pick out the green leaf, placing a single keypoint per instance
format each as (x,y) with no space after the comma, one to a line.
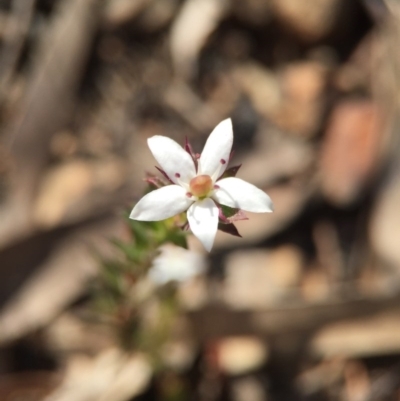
(110,273)
(131,252)
(139,232)
(178,238)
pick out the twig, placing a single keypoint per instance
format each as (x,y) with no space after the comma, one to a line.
(48,103)
(14,37)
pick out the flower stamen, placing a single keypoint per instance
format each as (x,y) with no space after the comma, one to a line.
(201,185)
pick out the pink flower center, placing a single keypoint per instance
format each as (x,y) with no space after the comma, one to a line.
(201,185)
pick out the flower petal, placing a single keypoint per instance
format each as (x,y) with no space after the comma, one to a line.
(234,192)
(173,159)
(215,157)
(161,204)
(175,263)
(203,221)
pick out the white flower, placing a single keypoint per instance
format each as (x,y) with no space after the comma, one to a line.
(175,264)
(198,191)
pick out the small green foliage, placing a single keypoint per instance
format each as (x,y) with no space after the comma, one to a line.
(118,298)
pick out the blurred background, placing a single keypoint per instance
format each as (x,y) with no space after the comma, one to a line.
(306,306)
